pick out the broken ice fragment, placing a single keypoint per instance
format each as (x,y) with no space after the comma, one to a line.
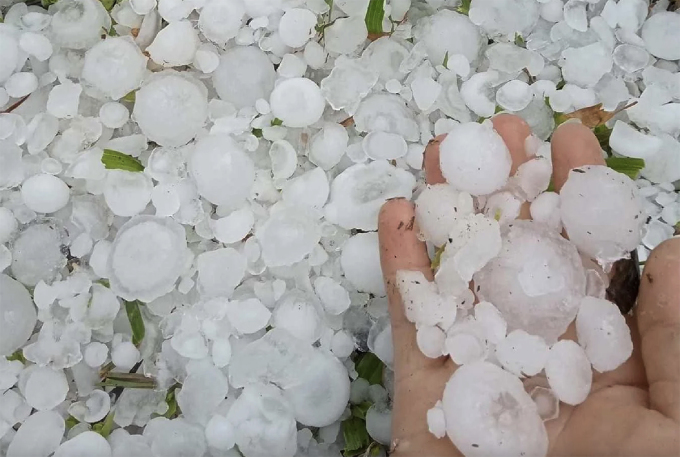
(547,403)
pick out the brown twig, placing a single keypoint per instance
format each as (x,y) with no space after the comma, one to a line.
(16,104)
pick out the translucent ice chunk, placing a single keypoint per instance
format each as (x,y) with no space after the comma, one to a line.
(202,391)
(514,95)
(603,333)
(660,32)
(522,354)
(328,145)
(220,20)
(431,341)
(288,236)
(127,193)
(448,32)
(17,315)
(345,35)
(585,66)
(296,27)
(78,24)
(248,316)
(608,227)
(473,240)
(547,403)
(38,436)
(334,298)
(118,56)
(477,92)
(437,209)
(360,261)
(147,256)
(220,271)
(387,113)
(382,145)
(175,44)
(45,388)
(436,420)
(244,75)
(568,371)
(299,317)
(489,413)
(298,102)
(37,254)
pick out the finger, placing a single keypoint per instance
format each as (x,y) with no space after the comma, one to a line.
(400,249)
(433,174)
(573,145)
(658,317)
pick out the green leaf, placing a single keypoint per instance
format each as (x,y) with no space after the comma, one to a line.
(257,133)
(519,40)
(136,321)
(438,257)
(171,399)
(108,4)
(276,121)
(104,282)
(375,15)
(361,409)
(464,7)
(18,355)
(551,186)
(445,63)
(130,97)
(356,436)
(626,165)
(602,132)
(370,367)
(47,3)
(104,427)
(71,422)
(114,160)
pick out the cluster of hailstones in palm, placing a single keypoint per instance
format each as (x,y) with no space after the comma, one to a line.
(529,284)
(240,220)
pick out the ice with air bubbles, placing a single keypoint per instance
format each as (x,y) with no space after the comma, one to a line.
(257,141)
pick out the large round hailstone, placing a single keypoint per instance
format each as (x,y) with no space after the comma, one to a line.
(504,17)
(288,236)
(297,26)
(78,24)
(220,271)
(223,173)
(386,113)
(127,193)
(175,44)
(488,412)
(220,20)
(171,108)
(114,66)
(603,333)
(358,193)
(360,261)
(38,436)
(661,34)
(86,444)
(44,193)
(475,159)
(9,58)
(438,208)
(245,74)
(297,102)
(147,256)
(45,388)
(17,315)
(384,56)
(536,282)
(568,372)
(37,254)
(322,395)
(448,32)
(601,212)
(299,317)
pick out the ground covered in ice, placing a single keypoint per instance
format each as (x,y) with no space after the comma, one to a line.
(189,193)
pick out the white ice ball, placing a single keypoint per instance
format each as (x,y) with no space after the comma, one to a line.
(44,193)
(297,102)
(568,372)
(115,66)
(297,26)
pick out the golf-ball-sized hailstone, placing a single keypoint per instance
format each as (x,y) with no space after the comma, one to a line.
(171,108)
(536,282)
(601,212)
(44,193)
(147,256)
(475,159)
(298,102)
(488,412)
(17,315)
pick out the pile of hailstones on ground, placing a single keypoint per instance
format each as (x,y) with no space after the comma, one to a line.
(238,219)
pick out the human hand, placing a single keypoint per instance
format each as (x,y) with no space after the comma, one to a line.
(633,410)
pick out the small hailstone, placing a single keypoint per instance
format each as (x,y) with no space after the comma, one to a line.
(466,342)
(522,354)
(45,193)
(536,281)
(248,316)
(547,403)
(171,108)
(45,388)
(219,433)
(297,102)
(477,93)
(8,225)
(38,436)
(473,241)
(533,177)
(345,35)
(96,354)
(448,32)
(244,75)
(488,412)
(575,15)
(546,210)
(334,298)
(202,391)
(315,55)
(220,271)
(309,190)
(430,341)
(514,95)
(299,317)
(360,261)
(284,159)
(661,33)
(436,420)
(127,193)
(86,444)
(379,423)
(382,145)
(142,7)
(115,66)
(503,206)
(342,345)
(113,115)
(36,45)
(328,145)
(234,227)
(292,66)
(603,333)
(475,159)
(631,58)
(224,174)
(63,100)
(358,193)
(585,66)
(297,26)
(147,257)
(489,318)
(21,84)
(206,58)
(425,92)
(17,315)
(288,236)
(437,209)
(601,212)
(220,20)
(125,355)
(568,371)
(175,44)
(393,86)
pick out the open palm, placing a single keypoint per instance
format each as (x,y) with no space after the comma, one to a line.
(633,410)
